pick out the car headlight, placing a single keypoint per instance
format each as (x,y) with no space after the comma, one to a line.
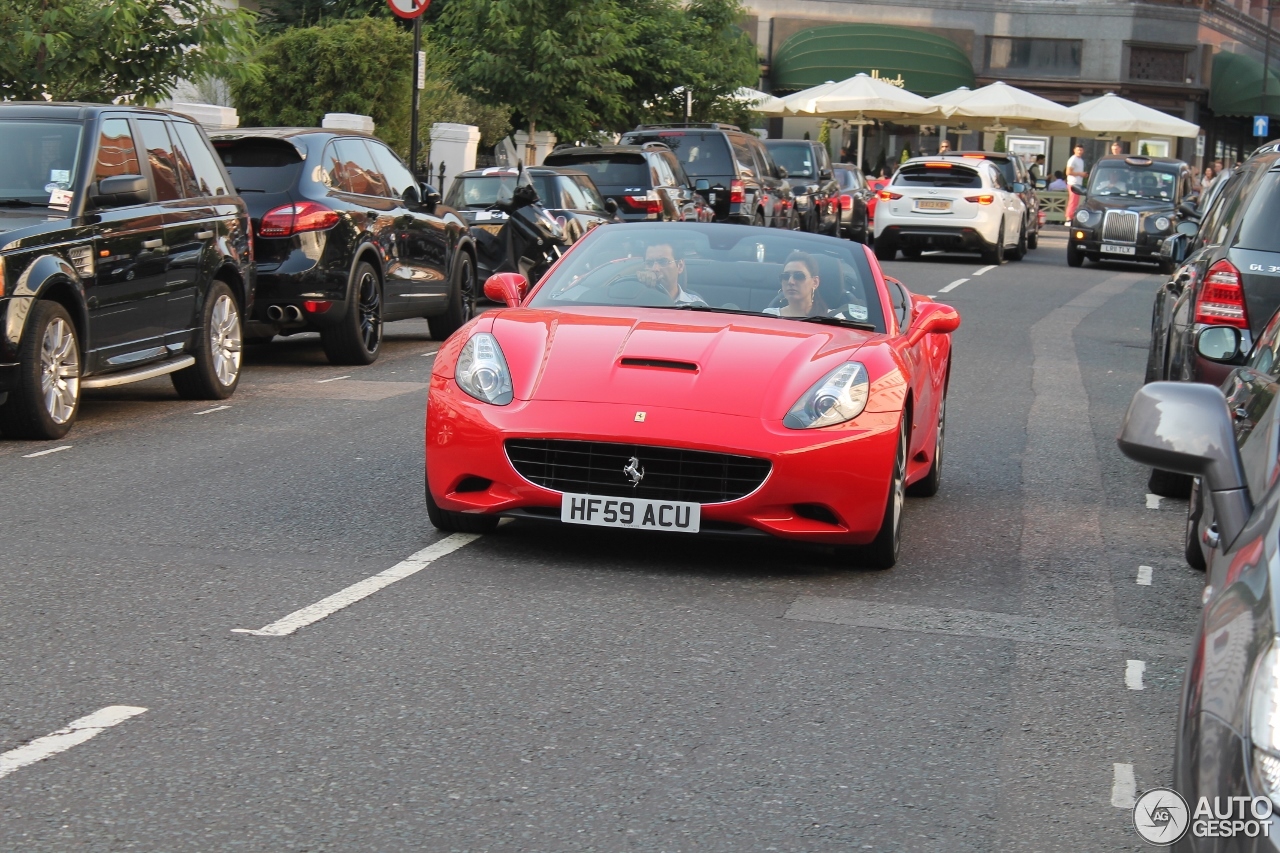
(839,396)
(1083,217)
(1162,224)
(482,371)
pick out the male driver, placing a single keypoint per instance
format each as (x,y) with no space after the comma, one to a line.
(663,269)
(1075,178)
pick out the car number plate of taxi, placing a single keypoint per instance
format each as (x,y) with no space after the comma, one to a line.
(932,204)
(1118,250)
(632,513)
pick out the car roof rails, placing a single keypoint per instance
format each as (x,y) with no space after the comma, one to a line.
(708,125)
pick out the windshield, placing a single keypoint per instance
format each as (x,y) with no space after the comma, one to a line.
(37,158)
(1122,180)
(482,191)
(722,268)
(796,159)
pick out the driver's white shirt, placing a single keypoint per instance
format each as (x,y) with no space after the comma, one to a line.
(687,298)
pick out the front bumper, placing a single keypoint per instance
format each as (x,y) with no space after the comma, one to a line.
(1087,240)
(845,469)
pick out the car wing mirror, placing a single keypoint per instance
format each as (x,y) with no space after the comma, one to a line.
(1185,427)
(121,190)
(1077,189)
(932,318)
(1219,343)
(1187,209)
(782,171)
(1019,187)
(1188,229)
(611,206)
(702,185)
(508,288)
(428,198)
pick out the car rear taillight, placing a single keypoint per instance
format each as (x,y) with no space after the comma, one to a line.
(885,195)
(737,192)
(980,199)
(289,219)
(1221,299)
(846,202)
(649,204)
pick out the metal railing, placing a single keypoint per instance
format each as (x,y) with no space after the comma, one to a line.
(1054,205)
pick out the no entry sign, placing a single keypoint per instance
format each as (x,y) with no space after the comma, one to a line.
(408,8)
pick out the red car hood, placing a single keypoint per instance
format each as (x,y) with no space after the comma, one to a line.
(729,363)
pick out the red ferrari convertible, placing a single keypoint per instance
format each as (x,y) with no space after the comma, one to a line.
(695,378)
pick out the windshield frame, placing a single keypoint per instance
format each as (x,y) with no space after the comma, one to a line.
(1119,166)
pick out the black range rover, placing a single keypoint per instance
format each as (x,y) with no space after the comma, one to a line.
(124,255)
(1131,206)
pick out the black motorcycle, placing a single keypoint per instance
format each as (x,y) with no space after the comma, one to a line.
(530,238)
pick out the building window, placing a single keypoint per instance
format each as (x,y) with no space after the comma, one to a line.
(1034,57)
(1157,64)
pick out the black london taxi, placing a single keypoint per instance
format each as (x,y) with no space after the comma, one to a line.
(1130,208)
(124,255)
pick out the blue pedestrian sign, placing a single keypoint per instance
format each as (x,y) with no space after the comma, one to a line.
(1261,125)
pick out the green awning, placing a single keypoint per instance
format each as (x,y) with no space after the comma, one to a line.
(927,64)
(1236,86)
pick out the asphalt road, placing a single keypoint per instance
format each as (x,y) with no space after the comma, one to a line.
(545,689)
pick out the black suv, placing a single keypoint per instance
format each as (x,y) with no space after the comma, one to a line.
(345,239)
(646,181)
(125,255)
(814,188)
(1015,172)
(733,168)
(1131,208)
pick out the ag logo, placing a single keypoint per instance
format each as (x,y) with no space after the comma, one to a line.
(1161,816)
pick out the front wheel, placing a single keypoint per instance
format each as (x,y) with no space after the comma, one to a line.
(462,300)
(1033,240)
(1075,257)
(47,397)
(357,338)
(927,486)
(883,551)
(218,350)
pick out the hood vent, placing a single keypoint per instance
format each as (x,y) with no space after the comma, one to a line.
(663,363)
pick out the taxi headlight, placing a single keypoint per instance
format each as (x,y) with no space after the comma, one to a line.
(1083,216)
(1162,224)
(482,371)
(839,396)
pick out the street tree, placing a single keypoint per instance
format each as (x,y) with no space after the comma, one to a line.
(133,50)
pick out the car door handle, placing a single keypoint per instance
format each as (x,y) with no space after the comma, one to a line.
(153,244)
(204,235)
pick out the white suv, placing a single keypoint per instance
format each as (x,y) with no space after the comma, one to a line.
(955,205)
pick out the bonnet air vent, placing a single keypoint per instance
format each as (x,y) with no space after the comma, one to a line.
(663,363)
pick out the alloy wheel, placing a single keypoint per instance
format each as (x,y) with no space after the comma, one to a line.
(467,287)
(370,308)
(899,482)
(59,371)
(225,339)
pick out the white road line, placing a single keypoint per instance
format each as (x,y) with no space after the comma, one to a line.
(1133,671)
(1123,787)
(984,270)
(334,379)
(46,452)
(1144,576)
(214,409)
(1153,501)
(953,285)
(363,589)
(75,732)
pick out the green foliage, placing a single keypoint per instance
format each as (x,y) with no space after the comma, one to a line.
(282,14)
(1000,144)
(824,134)
(135,50)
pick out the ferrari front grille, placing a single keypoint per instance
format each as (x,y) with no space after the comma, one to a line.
(669,474)
(1120,226)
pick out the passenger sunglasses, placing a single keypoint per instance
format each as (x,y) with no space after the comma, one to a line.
(651,263)
(795,275)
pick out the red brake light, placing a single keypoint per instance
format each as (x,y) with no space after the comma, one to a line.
(316,306)
(885,195)
(290,219)
(1221,299)
(980,199)
(846,202)
(644,203)
(737,192)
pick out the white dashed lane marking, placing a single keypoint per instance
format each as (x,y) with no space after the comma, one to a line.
(953,285)
(74,733)
(214,409)
(363,589)
(46,452)
(333,379)
(1153,501)
(984,270)
(1123,787)
(1144,576)
(1133,672)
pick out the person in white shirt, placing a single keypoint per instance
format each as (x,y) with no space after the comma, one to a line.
(663,269)
(1075,178)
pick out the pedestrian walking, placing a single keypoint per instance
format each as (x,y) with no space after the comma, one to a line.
(1076,175)
(1207,179)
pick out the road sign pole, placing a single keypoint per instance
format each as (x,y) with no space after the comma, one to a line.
(1266,63)
(417,95)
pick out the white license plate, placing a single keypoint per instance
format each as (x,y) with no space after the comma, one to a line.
(1118,250)
(932,204)
(633,513)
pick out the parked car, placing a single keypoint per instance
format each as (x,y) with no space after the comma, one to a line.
(1228,731)
(646,181)
(952,205)
(567,195)
(855,203)
(1130,209)
(346,240)
(813,184)
(1015,171)
(125,256)
(742,182)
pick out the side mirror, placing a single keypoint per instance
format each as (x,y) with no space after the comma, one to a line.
(121,190)
(782,171)
(428,198)
(826,174)
(932,318)
(1219,343)
(507,288)
(1077,189)
(1019,187)
(1188,229)
(1185,427)
(611,206)
(1041,183)
(1187,210)
(702,185)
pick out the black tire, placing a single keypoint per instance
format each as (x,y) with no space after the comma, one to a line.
(1075,257)
(883,551)
(46,400)
(1167,484)
(912,252)
(927,486)
(1191,541)
(1020,251)
(218,349)
(1033,240)
(995,256)
(457,522)
(462,300)
(758,219)
(357,338)
(884,251)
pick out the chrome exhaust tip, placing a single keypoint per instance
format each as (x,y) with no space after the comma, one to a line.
(293,314)
(275,312)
